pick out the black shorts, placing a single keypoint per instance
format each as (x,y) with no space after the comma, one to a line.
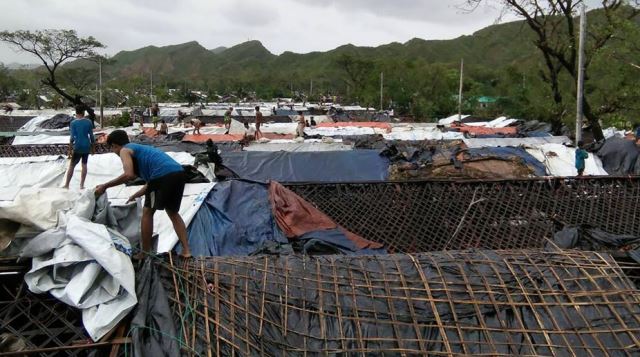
(75,159)
(165,193)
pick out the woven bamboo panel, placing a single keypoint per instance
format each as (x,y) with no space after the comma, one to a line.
(44,326)
(492,303)
(438,215)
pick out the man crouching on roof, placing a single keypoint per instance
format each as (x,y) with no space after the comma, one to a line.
(165,180)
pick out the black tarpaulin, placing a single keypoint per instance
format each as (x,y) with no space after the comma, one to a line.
(550,303)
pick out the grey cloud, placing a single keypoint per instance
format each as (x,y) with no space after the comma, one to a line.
(428,11)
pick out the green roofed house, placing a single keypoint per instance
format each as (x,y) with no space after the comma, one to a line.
(486,101)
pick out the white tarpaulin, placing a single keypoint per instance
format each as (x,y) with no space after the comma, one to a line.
(101,168)
(502,142)
(83,264)
(560,160)
(346,130)
(87,270)
(452,119)
(422,134)
(40,139)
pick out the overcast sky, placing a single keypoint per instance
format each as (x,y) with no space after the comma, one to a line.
(281,25)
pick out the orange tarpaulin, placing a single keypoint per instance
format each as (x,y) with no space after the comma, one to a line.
(295,217)
(229,137)
(483,130)
(364,124)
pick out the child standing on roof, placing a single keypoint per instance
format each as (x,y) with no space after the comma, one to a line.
(301,124)
(197,124)
(80,146)
(581,155)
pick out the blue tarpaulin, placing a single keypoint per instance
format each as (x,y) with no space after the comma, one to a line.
(235,219)
(328,166)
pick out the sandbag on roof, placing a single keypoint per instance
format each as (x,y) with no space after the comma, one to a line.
(331,166)
(493,303)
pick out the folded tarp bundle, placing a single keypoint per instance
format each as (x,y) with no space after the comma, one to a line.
(241,217)
(85,265)
(331,166)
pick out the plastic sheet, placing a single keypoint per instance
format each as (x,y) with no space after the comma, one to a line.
(533,303)
(620,156)
(235,219)
(334,166)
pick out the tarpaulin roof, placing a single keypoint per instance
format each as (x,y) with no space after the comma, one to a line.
(469,303)
(241,218)
(331,166)
(620,156)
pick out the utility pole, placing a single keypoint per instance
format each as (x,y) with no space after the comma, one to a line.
(580,85)
(381,90)
(460,90)
(311,88)
(100,91)
(151,86)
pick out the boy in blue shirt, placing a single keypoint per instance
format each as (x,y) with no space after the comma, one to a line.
(81,145)
(165,180)
(581,155)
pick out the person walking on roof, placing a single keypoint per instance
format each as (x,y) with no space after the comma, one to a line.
(258,123)
(165,180)
(197,124)
(155,110)
(581,155)
(227,119)
(164,130)
(301,125)
(80,146)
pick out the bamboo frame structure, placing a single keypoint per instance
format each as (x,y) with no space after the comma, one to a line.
(491,303)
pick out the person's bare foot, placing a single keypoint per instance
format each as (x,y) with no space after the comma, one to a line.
(185,254)
(65,187)
(82,187)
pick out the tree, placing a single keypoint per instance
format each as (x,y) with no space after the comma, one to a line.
(53,48)
(554,25)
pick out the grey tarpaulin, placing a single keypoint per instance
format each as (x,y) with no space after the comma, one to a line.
(58,121)
(586,237)
(331,166)
(620,156)
(152,328)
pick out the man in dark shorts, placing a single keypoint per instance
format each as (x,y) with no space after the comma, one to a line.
(258,123)
(165,180)
(80,146)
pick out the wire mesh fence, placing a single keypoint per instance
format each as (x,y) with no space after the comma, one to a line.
(43,149)
(439,215)
(497,303)
(39,324)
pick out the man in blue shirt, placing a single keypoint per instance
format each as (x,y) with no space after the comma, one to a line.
(165,180)
(81,144)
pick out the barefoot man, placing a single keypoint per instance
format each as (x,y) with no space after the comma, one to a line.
(165,180)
